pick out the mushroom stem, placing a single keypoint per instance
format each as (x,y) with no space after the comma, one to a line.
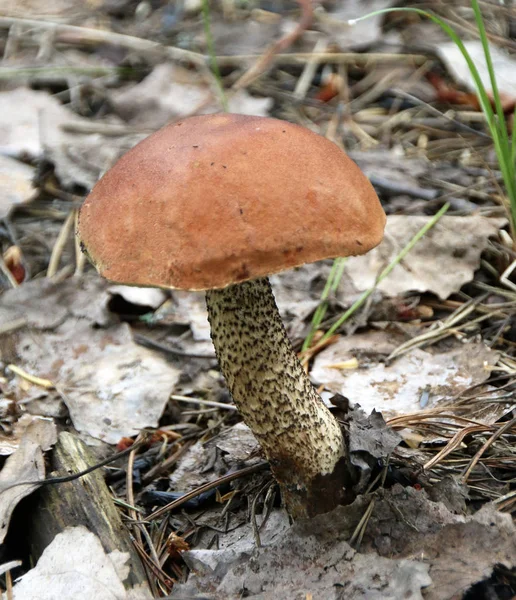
(300,437)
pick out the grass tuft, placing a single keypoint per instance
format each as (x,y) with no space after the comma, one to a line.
(504,141)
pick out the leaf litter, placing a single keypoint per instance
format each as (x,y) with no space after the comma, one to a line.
(75,565)
(96,371)
(397,388)
(410,542)
(26,464)
(441,263)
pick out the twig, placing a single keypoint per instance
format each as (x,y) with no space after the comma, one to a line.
(453,444)
(443,328)
(98,36)
(9,585)
(44,383)
(285,42)
(150,343)
(305,80)
(256,529)
(203,402)
(142,529)
(206,487)
(505,427)
(61,72)
(431,109)
(164,465)
(353,58)
(130,491)
(60,243)
(13,325)
(73,476)
(360,529)
(155,568)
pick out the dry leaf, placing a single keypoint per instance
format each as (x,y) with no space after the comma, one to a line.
(336,23)
(35,123)
(410,544)
(441,262)
(172,92)
(26,464)
(112,386)
(15,184)
(396,389)
(9,443)
(504,65)
(75,565)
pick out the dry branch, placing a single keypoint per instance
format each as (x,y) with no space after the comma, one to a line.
(85,501)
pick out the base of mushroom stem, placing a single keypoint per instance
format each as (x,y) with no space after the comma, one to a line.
(320,495)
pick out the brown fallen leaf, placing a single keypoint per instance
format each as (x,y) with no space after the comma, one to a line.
(25,464)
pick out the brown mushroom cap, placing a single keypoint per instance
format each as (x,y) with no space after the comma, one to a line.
(219,199)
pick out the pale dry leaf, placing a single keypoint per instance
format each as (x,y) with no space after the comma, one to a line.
(396,389)
(297,292)
(35,124)
(311,558)
(81,298)
(16,186)
(188,308)
(504,66)
(25,464)
(75,565)
(464,553)
(172,92)
(9,443)
(339,22)
(237,445)
(441,262)
(52,10)
(392,165)
(189,472)
(112,386)
(244,36)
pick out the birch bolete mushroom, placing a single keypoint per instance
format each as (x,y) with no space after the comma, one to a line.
(218,203)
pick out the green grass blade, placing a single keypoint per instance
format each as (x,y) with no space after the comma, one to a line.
(213,57)
(489,63)
(397,259)
(332,283)
(503,143)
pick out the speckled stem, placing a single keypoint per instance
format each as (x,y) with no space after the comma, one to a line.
(300,437)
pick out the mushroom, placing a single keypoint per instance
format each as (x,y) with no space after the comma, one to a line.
(218,203)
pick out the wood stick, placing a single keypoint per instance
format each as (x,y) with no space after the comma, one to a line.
(85,501)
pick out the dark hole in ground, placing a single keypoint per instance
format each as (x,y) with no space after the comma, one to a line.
(500,586)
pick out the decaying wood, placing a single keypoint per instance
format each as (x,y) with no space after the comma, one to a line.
(85,501)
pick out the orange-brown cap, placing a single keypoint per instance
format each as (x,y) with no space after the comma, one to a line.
(218,199)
